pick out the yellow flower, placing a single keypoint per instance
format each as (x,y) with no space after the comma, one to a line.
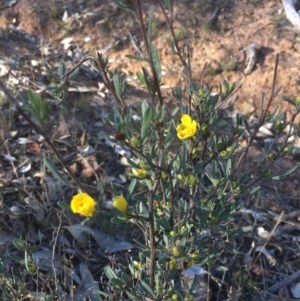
(83,204)
(187,129)
(172,264)
(120,203)
(140,173)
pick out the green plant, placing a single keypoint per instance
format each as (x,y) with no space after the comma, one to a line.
(186,177)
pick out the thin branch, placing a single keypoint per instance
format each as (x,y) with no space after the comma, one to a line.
(170,24)
(263,114)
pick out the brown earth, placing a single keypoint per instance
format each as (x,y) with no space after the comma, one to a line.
(95,24)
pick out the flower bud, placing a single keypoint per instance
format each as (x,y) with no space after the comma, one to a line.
(189,264)
(164,175)
(138,265)
(183,229)
(139,173)
(220,146)
(279,125)
(172,233)
(267,173)
(135,141)
(172,264)
(223,154)
(176,251)
(195,152)
(204,128)
(271,157)
(144,165)
(297,100)
(190,180)
(288,148)
(195,256)
(202,93)
(180,177)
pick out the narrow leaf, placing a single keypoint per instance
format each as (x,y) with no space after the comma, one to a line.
(286,173)
(51,166)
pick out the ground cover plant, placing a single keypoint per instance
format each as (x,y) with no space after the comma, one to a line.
(187,181)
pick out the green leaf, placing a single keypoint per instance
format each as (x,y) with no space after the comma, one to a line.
(168,4)
(156,61)
(74,73)
(119,84)
(148,288)
(117,282)
(62,70)
(110,274)
(226,86)
(98,293)
(292,102)
(16,258)
(198,167)
(246,124)
(51,166)
(130,189)
(50,71)
(286,173)
(228,168)
(136,58)
(173,47)
(146,121)
(64,206)
(124,4)
(142,80)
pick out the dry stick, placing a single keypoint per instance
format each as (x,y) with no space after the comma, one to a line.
(109,85)
(40,131)
(151,232)
(152,96)
(268,239)
(234,92)
(273,289)
(189,76)
(201,74)
(291,122)
(263,114)
(186,66)
(150,59)
(170,24)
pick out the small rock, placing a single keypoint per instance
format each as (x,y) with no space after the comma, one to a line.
(285,44)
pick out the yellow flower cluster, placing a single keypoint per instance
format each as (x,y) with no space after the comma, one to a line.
(187,129)
(83,204)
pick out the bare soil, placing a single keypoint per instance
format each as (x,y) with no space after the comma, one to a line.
(95,24)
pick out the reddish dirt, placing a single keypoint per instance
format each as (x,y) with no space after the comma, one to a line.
(240,23)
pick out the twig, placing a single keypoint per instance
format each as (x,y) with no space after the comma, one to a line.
(108,83)
(152,244)
(262,116)
(170,24)
(234,92)
(273,289)
(147,45)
